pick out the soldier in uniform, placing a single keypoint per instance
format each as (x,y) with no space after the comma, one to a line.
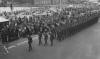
(30,42)
(40,34)
(52,37)
(45,32)
(45,38)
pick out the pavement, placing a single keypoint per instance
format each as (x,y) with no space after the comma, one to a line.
(83,45)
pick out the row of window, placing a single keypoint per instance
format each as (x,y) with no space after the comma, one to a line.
(43,2)
(56,1)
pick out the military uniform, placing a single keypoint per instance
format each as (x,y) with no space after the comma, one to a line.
(40,35)
(30,43)
(45,33)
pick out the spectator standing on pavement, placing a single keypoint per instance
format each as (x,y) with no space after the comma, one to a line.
(30,42)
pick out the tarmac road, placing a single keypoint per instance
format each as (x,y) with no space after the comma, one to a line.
(83,45)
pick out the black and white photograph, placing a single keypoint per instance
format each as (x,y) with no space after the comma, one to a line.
(49,29)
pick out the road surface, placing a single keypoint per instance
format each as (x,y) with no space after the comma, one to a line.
(83,45)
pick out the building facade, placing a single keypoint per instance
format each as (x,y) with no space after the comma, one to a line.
(48,2)
(54,2)
(36,2)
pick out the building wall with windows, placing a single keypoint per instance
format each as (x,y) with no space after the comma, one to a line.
(42,1)
(48,2)
(57,1)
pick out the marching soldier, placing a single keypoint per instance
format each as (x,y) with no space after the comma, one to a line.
(40,37)
(51,38)
(45,38)
(45,31)
(40,34)
(30,42)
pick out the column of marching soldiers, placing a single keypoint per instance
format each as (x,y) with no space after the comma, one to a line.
(53,27)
